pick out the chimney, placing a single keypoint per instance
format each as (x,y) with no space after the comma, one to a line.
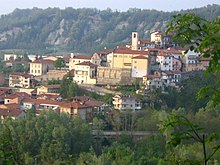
(134,40)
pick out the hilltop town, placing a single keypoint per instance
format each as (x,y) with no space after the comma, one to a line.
(153,64)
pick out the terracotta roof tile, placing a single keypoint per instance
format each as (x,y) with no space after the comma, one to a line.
(82,57)
(87,63)
(140,57)
(12,112)
(128,51)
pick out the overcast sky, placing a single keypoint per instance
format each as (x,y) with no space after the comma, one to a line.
(7,6)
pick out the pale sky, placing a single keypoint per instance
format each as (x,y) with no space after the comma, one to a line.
(7,6)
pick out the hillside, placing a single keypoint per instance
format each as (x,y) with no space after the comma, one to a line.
(82,30)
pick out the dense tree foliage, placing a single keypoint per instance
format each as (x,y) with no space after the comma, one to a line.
(47,139)
(59,63)
(83,30)
(182,135)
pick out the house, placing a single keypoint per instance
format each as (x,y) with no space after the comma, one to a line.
(177,58)
(10,57)
(191,60)
(85,73)
(127,102)
(12,106)
(16,98)
(169,77)
(140,66)
(96,105)
(21,80)
(204,63)
(77,109)
(41,104)
(14,114)
(76,59)
(96,59)
(50,96)
(66,60)
(165,61)
(46,89)
(152,81)
(156,37)
(103,56)
(41,66)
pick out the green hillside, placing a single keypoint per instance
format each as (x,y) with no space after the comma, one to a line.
(82,30)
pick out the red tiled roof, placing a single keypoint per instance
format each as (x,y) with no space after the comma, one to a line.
(87,63)
(66,59)
(105,51)
(168,72)
(43,61)
(21,74)
(74,104)
(82,98)
(41,101)
(49,96)
(128,51)
(94,103)
(12,112)
(10,106)
(140,57)
(18,94)
(85,57)
(5,89)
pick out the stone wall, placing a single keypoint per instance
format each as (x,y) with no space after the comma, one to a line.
(50,75)
(113,76)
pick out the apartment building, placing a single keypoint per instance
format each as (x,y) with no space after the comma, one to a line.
(127,102)
(21,80)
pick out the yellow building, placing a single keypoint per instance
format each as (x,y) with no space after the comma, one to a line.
(140,66)
(122,58)
(40,67)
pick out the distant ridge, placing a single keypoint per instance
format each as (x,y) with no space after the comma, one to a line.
(83,30)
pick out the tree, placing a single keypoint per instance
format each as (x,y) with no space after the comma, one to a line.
(68,88)
(202,36)
(178,130)
(59,63)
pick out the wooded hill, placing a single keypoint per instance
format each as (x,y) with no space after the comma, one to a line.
(83,30)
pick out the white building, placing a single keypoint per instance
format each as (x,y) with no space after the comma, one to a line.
(22,80)
(152,81)
(165,61)
(8,57)
(126,102)
(85,73)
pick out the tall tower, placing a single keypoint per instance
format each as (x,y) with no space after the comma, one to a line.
(134,40)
